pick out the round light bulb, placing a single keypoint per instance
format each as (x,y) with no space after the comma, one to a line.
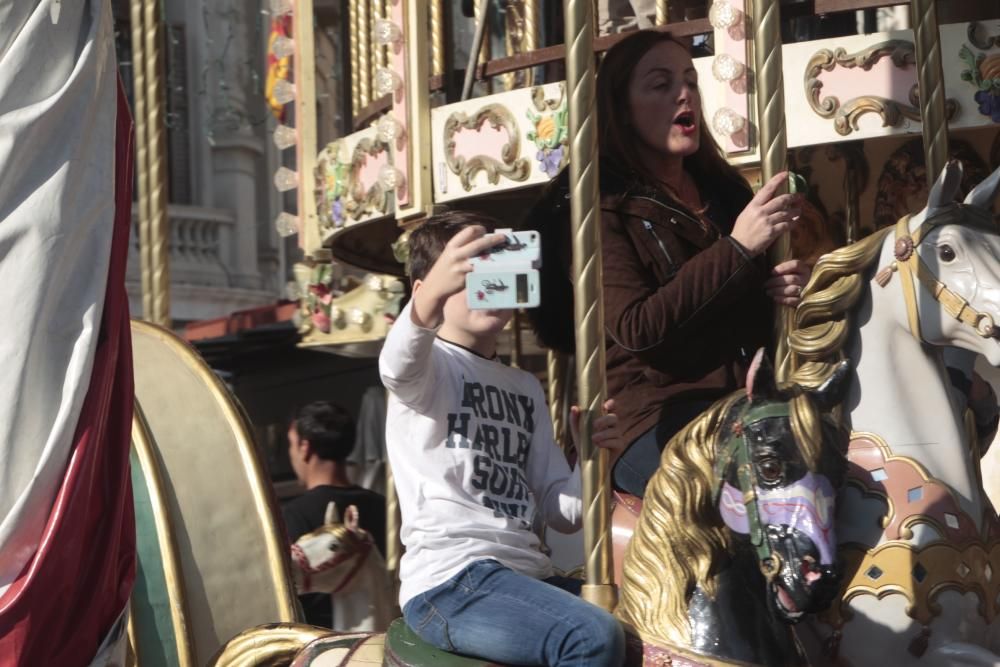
(286,224)
(284,92)
(390,178)
(284,137)
(386,32)
(386,81)
(727,68)
(727,122)
(388,129)
(359,317)
(293,291)
(283,47)
(374,282)
(285,179)
(279,7)
(337,317)
(723,15)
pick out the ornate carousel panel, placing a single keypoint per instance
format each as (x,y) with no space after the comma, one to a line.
(866,86)
(218,554)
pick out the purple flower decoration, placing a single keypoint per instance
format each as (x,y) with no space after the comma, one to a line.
(989,103)
(338,212)
(550,161)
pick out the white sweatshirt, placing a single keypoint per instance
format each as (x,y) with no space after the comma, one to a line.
(472,453)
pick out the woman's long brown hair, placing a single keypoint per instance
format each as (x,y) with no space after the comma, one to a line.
(617,136)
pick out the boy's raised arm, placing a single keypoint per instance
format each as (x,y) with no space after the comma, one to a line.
(405,361)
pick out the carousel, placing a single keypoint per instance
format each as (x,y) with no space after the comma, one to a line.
(885,550)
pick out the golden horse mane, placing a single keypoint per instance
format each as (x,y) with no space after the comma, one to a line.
(680,540)
(824,319)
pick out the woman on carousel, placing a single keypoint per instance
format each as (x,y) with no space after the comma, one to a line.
(688,289)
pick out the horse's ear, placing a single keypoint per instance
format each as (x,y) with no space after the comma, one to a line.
(332,516)
(760,378)
(944,188)
(351,517)
(833,391)
(982,195)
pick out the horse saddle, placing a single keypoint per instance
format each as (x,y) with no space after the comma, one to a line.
(403,648)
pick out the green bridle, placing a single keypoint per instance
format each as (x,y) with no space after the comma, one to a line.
(735,448)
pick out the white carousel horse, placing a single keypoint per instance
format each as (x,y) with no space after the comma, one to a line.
(916,532)
(341,559)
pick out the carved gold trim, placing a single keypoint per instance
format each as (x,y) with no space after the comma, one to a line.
(510,165)
(375,199)
(905,527)
(144,444)
(846,115)
(278,556)
(942,566)
(273,644)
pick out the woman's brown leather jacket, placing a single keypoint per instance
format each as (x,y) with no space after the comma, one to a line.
(684,304)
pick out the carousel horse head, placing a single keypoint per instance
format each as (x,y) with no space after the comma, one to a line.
(327,559)
(749,486)
(953,250)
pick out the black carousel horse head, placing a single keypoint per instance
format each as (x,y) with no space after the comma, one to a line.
(778,465)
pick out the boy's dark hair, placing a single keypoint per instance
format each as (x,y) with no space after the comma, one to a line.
(329,429)
(429,239)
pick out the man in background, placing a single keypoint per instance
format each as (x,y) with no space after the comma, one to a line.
(320,438)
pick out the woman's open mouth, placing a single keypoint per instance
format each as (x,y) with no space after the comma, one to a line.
(685,121)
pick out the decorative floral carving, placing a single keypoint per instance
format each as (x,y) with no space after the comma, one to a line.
(510,164)
(339,192)
(983,72)
(845,115)
(550,130)
(333,174)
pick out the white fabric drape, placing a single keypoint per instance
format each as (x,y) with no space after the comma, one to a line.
(57,143)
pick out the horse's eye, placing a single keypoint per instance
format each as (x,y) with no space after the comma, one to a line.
(946,253)
(770,469)
(334,546)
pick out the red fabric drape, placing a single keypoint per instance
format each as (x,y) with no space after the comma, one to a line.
(68,597)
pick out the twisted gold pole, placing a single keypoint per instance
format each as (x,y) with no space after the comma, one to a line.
(141,155)
(393,521)
(662,12)
(515,341)
(773,142)
(589,306)
(930,79)
(156,135)
(556,364)
(352,38)
(437,38)
(481,15)
(379,11)
(364,53)
(530,39)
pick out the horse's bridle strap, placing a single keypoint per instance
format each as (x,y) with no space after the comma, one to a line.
(910,266)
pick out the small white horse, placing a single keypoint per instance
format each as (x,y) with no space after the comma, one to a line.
(341,559)
(917,534)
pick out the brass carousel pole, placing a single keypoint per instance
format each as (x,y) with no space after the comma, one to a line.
(141,155)
(364,53)
(156,140)
(437,38)
(930,79)
(662,12)
(556,364)
(773,144)
(589,308)
(352,19)
(393,543)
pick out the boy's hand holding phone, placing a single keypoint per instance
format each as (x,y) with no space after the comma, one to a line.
(447,276)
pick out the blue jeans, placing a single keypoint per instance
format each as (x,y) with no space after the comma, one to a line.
(491,612)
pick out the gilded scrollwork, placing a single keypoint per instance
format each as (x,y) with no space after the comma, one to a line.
(340,195)
(846,115)
(510,164)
